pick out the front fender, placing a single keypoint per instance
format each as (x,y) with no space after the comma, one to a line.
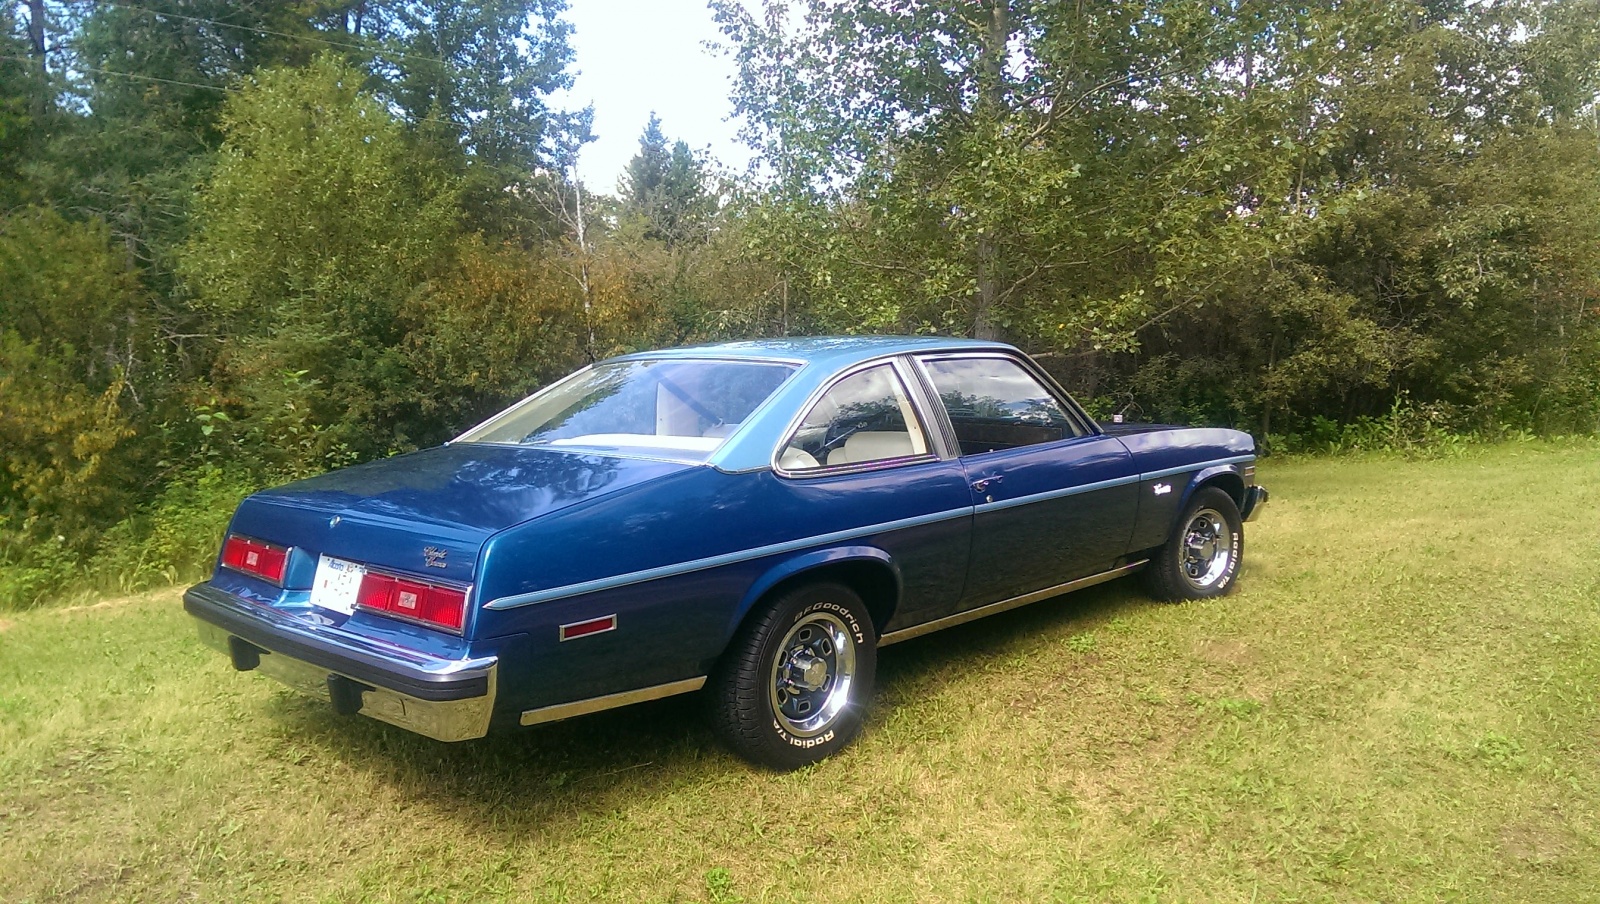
(810,560)
(1233,470)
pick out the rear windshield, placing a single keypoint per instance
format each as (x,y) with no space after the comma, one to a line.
(680,409)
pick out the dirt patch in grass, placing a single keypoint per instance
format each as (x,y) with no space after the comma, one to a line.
(6,625)
(103,604)
(1226,652)
(1534,843)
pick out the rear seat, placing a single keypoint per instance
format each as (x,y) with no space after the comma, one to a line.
(873,445)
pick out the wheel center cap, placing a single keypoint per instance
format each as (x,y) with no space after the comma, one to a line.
(809,672)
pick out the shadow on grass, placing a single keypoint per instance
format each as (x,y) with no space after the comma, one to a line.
(533,779)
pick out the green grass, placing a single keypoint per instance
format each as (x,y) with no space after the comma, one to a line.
(1399,704)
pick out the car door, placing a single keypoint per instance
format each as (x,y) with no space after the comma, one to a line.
(864,454)
(1054,499)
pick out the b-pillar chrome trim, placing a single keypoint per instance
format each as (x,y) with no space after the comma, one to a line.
(610,701)
(1015,602)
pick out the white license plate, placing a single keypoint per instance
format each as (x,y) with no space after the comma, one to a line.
(337,584)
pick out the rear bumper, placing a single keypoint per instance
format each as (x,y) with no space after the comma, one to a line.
(446,699)
(1255,499)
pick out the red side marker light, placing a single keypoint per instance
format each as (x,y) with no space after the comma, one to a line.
(576,630)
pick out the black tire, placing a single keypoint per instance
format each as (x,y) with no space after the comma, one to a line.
(772,702)
(1201,558)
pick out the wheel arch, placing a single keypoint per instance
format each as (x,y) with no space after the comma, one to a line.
(1227,478)
(867,570)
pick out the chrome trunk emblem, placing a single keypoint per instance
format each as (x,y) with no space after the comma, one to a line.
(433,557)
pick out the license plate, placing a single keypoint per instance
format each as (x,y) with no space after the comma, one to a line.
(337,584)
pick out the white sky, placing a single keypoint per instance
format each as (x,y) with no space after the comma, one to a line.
(635,56)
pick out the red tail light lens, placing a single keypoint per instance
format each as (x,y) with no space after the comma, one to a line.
(376,591)
(257,557)
(431,603)
(446,606)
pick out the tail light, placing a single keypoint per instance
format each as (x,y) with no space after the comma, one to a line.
(257,557)
(433,604)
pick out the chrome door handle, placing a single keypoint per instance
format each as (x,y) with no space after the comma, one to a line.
(984,484)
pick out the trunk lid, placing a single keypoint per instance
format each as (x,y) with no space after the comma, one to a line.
(428,513)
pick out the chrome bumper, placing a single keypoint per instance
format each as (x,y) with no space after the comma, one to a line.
(445,699)
(1255,499)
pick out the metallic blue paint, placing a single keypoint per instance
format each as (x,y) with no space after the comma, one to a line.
(811,561)
(1056,512)
(682,553)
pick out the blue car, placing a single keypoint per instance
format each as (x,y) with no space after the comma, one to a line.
(753,519)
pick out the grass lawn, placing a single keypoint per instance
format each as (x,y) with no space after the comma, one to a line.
(1398,704)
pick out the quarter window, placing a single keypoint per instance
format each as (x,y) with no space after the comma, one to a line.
(865,417)
(994,403)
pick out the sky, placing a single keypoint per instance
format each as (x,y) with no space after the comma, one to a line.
(635,56)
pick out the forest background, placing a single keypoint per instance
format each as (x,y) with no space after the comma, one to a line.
(243,242)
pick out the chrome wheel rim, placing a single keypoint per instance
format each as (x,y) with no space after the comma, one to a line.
(812,674)
(1207,549)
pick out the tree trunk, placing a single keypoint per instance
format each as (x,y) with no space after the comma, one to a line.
(991,101)
(36,47)
(983,326)
(583,265)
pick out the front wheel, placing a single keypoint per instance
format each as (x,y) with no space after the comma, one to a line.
(1201,558)
(794,684)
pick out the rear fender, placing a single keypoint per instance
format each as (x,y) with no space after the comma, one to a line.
(810,560)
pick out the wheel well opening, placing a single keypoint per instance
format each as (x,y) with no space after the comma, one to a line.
(872,580)
(1232,484)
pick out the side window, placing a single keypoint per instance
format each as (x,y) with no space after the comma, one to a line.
(994,403)
(865,417)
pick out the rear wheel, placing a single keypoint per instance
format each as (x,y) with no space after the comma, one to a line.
(1201,558)
(794,684)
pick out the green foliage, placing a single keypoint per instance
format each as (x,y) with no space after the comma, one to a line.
(69,294)
(312,236)
(61,475)
(666,189)
(1253,217)
(500,325)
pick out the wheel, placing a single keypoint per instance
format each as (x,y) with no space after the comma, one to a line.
(794,684)
(1201,558)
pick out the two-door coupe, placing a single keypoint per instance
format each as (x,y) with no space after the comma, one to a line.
(755,518)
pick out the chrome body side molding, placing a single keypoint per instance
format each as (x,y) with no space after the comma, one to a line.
(610,701)
(1016,602)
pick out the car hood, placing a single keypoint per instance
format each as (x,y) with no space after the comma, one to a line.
(451,498)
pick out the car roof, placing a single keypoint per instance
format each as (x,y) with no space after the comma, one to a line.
(828,352)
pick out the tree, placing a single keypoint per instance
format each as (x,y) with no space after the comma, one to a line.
(1220,212)
(475,80)
(666,189)
(313,234)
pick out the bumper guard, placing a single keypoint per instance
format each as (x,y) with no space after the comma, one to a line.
(1255,499)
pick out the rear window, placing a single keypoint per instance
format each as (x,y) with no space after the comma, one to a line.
(682,409)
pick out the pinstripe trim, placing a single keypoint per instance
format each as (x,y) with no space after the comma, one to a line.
(1152,475)
(1054,494)
(745,555)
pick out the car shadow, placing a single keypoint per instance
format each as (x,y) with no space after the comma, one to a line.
(517,779)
